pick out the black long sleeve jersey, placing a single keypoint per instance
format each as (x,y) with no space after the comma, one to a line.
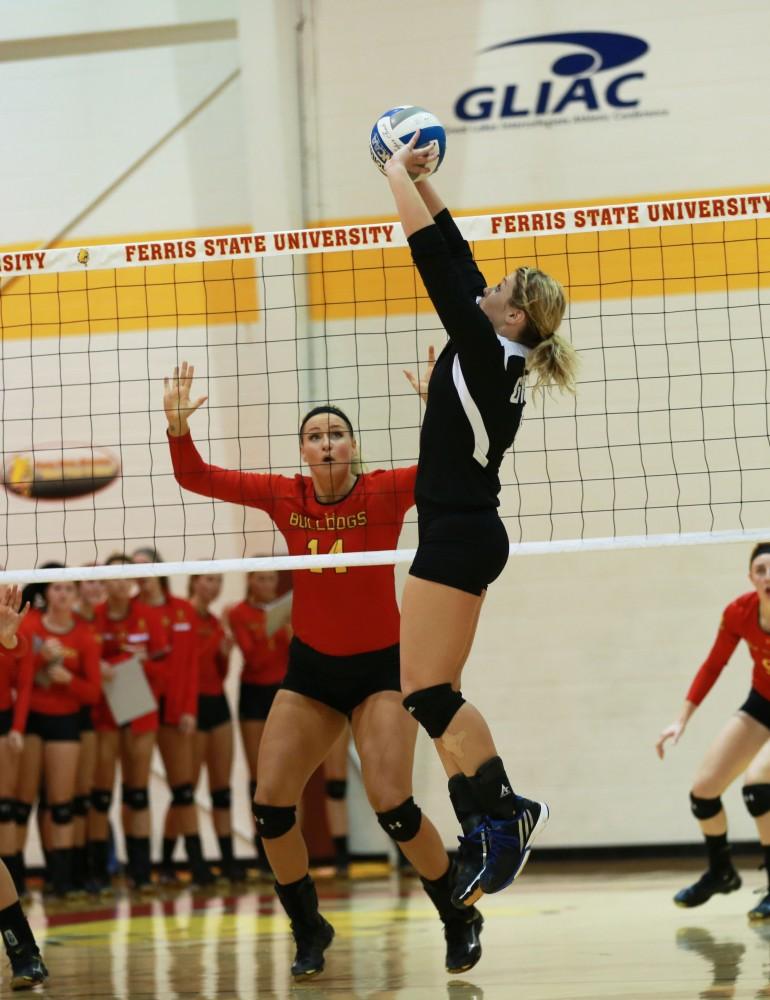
(476,392)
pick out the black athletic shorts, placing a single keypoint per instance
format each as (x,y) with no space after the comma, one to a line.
(254,701)
(6,721)
(86,721)
(341,682)
(213,711)
(758,707)
(54,728)
(466,550)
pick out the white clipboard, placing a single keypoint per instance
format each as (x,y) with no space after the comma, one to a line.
(277,613)
(128,694)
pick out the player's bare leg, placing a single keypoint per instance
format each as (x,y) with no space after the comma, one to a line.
(437,627)
(385,739)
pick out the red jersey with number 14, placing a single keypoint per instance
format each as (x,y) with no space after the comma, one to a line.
(739,621)
(339,611)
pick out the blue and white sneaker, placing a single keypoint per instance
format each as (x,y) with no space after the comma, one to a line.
(509,844)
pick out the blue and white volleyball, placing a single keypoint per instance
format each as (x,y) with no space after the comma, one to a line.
(395,128)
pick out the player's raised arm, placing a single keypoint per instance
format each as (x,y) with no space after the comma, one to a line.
(176,399)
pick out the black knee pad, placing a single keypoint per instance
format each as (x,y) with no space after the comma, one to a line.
(136,799)
(336,788)
(21,812)
(252,790)
(80,805)
(757,799)
(705,808)
(221,798)
(7,810)
(182,795)
(273,821)
(61,813)
(101,799)
(434,707)
(403,822)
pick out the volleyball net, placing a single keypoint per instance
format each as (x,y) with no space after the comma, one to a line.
(666,442)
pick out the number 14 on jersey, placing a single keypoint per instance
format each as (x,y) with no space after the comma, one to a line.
(337,547)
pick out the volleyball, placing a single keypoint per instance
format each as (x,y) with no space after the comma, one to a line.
(395,128)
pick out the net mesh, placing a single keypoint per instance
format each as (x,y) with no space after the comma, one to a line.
(668,432)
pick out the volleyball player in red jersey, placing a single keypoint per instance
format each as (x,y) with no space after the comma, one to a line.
(27,968)
(214,736)
(15,690)
(128,628)
(177,711)
(65,667)
(90,593)
(343,662)
(265,659)
(743,745)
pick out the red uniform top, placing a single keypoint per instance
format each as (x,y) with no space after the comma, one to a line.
(178,621)
(212,663)
(16,677)
(740,620)
(338,611)
(265,658)
(140,627)
(80,657)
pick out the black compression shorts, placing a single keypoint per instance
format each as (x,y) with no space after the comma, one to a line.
(86,721)
(758,707)
(341,682)
(466,550)
(54,728)
(255,700)
(213,711)
(6,721)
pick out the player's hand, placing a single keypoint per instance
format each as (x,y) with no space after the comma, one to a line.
(420,384)
(15,741)
(415,161)
(187,724)
(176,399)
(51,650)
(673,733)
(107,671)
(10,615)
(59,674)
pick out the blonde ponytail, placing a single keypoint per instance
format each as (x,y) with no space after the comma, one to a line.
(552,360)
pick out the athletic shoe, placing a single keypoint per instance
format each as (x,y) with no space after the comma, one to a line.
(311,943)
(168,877)
(28,971)
(463,944)
(762,910)
(468,865)
(708,885)
(509,844)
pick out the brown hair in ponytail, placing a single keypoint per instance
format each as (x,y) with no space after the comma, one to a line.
(552,360)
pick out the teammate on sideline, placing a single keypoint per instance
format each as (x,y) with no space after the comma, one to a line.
(473,409)
(343,662)
(177,714)
(213,742)
(742,745)
(265,658)
(27,968)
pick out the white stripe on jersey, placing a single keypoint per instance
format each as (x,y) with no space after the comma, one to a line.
(480,437)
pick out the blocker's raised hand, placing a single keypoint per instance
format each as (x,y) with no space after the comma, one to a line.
(176,398)
(10,615)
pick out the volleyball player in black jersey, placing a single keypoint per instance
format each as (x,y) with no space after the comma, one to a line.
(474,405)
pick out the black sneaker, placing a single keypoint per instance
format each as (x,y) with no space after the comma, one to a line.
(311,942)
(708,885)
(28,971)
(469,864)
(762,910)
(509,844)
(463,944)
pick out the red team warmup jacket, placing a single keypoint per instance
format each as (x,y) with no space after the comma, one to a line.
(16,681)
(141,626)
(739,621)
(81,658)
(369,518)
(265,658)
(179,677)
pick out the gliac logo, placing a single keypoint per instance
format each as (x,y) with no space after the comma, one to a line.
(577,84)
